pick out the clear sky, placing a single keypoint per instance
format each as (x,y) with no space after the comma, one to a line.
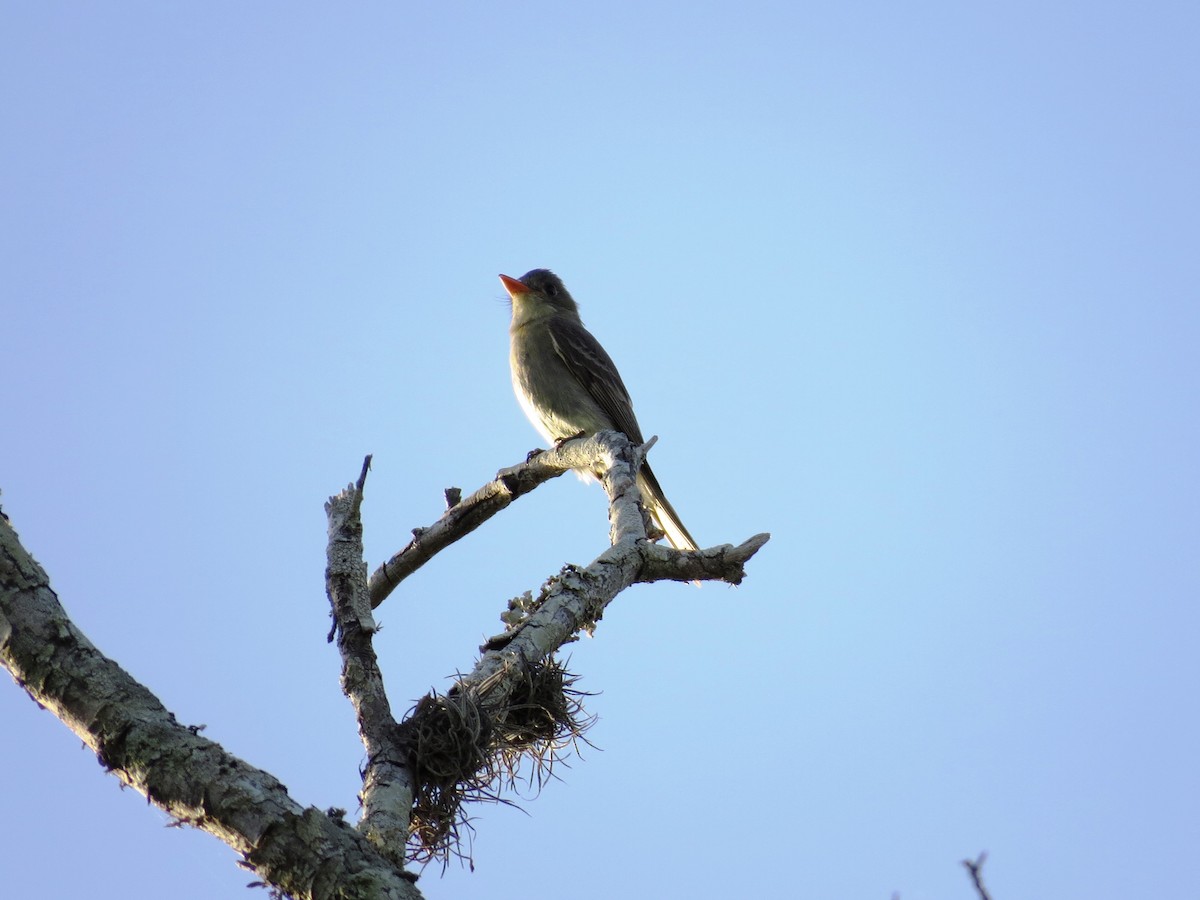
(912,287)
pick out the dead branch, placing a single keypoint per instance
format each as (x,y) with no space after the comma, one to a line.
(304,852)
(387,793)
(975,867)
(483,701)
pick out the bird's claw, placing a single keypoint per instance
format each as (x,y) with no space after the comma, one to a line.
(558,444)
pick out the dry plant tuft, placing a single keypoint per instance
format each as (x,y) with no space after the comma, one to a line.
(461,749)
(544,720)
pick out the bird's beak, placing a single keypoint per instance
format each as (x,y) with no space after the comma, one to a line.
(513,286)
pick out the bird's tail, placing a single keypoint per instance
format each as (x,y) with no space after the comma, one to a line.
(662,510)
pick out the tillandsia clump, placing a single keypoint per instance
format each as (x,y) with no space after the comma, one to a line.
(463,747)
(545,718)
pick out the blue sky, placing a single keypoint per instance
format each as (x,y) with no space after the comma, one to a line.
(912,288)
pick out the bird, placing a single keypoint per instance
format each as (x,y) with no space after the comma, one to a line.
(568,385)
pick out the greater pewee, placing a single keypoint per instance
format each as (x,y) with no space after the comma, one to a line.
(568,385)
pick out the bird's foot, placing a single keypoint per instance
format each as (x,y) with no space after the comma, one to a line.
(558,444)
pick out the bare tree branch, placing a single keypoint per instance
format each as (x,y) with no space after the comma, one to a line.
(517,703)
(304,852)
(387,793)
(975,867)
(462,518)
(472,738)
(591,453)
(575,600)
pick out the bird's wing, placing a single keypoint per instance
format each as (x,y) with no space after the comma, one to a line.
(594,369)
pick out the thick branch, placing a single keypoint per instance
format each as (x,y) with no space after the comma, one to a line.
(575,600)
(302,851)
(387,793)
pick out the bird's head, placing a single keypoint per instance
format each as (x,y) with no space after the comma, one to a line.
(537,294)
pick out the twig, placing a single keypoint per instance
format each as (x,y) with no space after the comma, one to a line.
(975,867)
(461,519)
